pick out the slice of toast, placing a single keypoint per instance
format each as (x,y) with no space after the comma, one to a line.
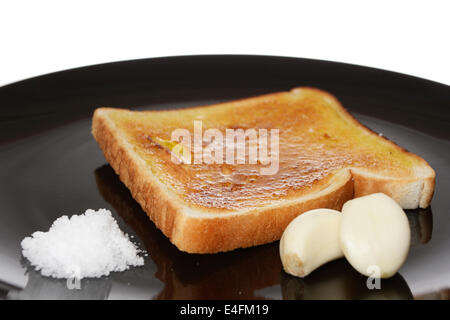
(326,157)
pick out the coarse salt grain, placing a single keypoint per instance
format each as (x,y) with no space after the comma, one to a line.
(89,245)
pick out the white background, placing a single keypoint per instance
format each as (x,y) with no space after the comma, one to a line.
(39,37)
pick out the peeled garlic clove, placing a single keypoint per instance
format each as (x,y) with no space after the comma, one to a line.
(310,240)
(375,235)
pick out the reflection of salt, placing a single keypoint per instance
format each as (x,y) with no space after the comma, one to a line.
(87,245)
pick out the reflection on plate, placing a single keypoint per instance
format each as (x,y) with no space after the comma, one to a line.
(338,280)
(231,275)
(421,224)
(443,294)
(44,288)
(239,274)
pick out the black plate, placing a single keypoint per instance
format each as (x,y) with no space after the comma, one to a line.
(52,166)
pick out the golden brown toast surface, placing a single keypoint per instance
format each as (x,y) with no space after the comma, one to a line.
(326,158)
(316,138)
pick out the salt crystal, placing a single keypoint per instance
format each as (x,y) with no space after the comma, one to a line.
(89,245)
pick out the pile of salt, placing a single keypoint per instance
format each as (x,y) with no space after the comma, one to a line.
(89,245)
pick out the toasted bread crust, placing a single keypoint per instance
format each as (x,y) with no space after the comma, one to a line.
(408,193)
(200,235)
(145,190)
(399,189)
(216,233)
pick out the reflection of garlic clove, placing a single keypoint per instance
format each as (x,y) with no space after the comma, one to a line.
(311,240)
(339,281)
(375,235)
